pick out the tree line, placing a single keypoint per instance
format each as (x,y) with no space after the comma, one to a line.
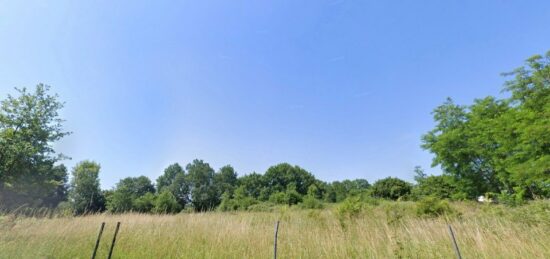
(495,147)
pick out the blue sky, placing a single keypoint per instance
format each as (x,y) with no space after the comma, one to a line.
(341,88)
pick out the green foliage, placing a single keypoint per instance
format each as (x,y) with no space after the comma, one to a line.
(169,175)
(204,192)
(350,208)
(280,177)
(29,127)
(500,146)
(226,180)
(120,200)
(127,191)
(391,188)
(441,186)
(138,186)
(166,203)
(278,198)
(339,191)
(311,202)
(145,203)
(85,194)
(430,206)
(253,185)
(176,181)
(396,211)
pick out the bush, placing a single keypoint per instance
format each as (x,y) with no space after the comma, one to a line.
(120,201)
(440,186)
(431,206)
(145,203)
(166,203)
(391,188)
(510,199)
(311,203)
(278,198)
(350,207)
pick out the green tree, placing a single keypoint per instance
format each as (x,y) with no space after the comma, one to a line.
(145,203)
(138,186)
(253,185)
(499,145)
(279,177)
(226,180)
(127,191)
(204,193)
(176,181)
(391,188)
(166,203)
(85,194)
(29,126)
(169,175)
(121,200)
(440,186)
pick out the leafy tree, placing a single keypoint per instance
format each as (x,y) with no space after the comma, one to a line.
(175,180)
(169,175)
(121,200)
(204,193)
(253,185)
(279,177)
(441,186)
(226,180)
(526,131)
(499,145)
(166,203)
(391,188)
(85,193)
(145,203)
(278,198)
(419,174)
(127,191)
(138,186)
(29,126)
(339,191)
(180,189)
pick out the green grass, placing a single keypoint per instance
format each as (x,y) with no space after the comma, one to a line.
(389,230)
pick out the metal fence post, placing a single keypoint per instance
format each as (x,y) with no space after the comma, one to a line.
(275,243)
(114,239)
(98,239)
(455,245)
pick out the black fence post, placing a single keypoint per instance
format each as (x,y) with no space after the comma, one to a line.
(114,239)
(455,245)
(275,243)
(98,239)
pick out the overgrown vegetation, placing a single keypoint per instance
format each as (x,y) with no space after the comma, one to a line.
(354,229)
(498,148)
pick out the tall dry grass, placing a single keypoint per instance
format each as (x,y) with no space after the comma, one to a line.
(378,232)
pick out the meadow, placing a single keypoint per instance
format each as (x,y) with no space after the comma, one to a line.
(382,230)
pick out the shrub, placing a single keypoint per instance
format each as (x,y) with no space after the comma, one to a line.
(510,199)
(350,207)
(120,201)
(278,198)
(145,203)
(440,186)
(431,206)
(311,203)
(390,188)
(166,203)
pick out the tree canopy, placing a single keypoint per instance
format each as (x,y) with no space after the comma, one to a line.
(498,145)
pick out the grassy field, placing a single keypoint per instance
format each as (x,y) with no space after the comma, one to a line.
(389,230)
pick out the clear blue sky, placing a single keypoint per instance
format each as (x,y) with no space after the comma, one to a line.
(341,88)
